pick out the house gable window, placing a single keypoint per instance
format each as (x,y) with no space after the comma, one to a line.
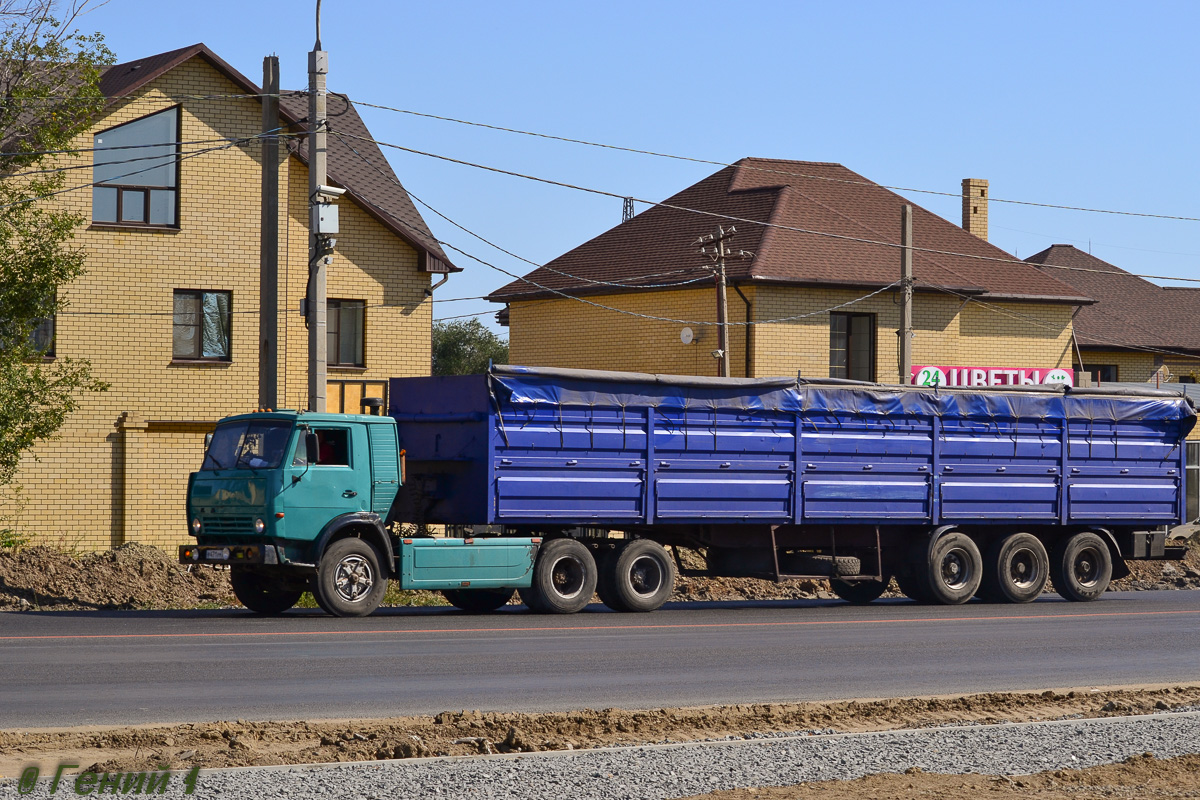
(852,346)
(344,329)
(201,326)
(135,171)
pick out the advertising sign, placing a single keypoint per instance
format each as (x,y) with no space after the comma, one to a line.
(990,376)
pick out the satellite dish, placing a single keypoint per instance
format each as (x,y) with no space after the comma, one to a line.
(686,336)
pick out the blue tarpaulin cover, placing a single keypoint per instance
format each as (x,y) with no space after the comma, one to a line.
(593,388)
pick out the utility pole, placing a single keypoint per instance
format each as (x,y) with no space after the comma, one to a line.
(906,293)
(268,276)
(713,246)
(319,245)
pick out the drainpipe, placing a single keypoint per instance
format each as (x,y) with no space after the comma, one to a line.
(429,291)
(749,330)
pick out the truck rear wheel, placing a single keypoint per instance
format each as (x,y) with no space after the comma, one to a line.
(951,570)
(262,594)
(639,576)
(350,581)
(1081,567)
(564,578)
(478,601)
(1016,570)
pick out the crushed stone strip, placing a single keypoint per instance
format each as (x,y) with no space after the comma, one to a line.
(660,772)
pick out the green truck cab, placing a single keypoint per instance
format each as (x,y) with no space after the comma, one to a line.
(294,502)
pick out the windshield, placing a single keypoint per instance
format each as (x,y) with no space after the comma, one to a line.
(248,445)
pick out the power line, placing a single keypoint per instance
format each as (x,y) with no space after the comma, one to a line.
(492,244)
(158,159)
(764,169)
(155,98)
(79,150)
(177,159)
(1051,326)
(746,220)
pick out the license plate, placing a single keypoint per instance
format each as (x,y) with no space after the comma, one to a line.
(216,555)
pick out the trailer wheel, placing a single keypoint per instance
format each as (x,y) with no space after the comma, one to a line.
(564,578)
(952,570)
(478,601)
(350,581)
(859,592)
(1081,567)
(261,594)
(640,576)
(1016,570)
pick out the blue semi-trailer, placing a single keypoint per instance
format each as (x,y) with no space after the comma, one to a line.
(954,493)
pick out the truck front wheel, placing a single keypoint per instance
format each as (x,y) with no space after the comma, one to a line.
(564,578)
(261,593)
(1081,567)
(350,581)
(640,576)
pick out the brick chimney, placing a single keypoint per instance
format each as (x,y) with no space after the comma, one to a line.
(975,206)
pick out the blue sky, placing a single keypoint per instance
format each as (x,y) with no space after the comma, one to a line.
(1075,103)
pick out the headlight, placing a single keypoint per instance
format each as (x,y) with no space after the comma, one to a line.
(196,526)
(259,526)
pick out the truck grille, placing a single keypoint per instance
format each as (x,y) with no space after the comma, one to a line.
(227,524)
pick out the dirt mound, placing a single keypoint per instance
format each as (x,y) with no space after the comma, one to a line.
(130,576)
(244,743)
(1137,776)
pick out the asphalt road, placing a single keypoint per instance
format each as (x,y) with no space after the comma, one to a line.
(97,668)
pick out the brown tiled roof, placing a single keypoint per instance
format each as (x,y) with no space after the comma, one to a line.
(818,197)
(1129,311)
(372,185)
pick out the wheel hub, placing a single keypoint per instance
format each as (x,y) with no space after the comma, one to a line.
(353,578)
(1086,567)
(956,569)
(1023,569)
(567,577)
(645,576)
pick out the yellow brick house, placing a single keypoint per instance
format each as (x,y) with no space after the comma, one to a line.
(168,311)
(1137,331)
(815,294)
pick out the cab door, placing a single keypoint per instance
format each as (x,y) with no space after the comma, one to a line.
(338,483)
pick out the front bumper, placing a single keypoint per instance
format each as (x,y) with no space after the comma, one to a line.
(228,554)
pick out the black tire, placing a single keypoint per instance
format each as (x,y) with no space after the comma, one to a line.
(951,571)
(1081,567)
(639,576)
(564,578)
(262,594)
(1015,571)
(478,601)
(350,579)
(859,592)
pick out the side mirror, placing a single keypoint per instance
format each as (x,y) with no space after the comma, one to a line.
(207,441)
(312,448)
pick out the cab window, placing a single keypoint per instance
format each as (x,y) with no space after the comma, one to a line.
(333,447)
